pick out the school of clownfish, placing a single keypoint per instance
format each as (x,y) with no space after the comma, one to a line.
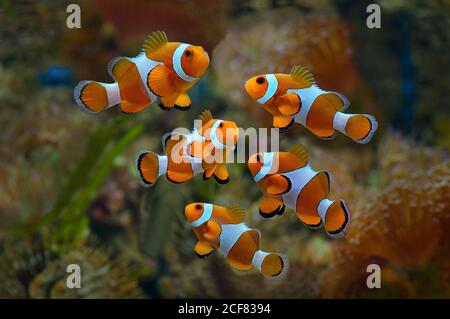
(164,72)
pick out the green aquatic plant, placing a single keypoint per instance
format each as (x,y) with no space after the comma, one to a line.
(68,217)
(103,276)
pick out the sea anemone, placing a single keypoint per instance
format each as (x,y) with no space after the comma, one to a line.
(404,229)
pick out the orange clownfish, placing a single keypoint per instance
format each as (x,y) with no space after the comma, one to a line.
(287,179)
(204,150)
(223,228)
(164,71)
(295,97)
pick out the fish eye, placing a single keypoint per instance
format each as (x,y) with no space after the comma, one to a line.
(258,158)
(260,80)
(221,125)
(187,53)
(198,206)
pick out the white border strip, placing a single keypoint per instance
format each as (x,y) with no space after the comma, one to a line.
(113,93)
(340,121)
(176,61)
(267,166)
(213,135)
(162,165)
(258,258)
(322,208)
(272,86)
(207,212)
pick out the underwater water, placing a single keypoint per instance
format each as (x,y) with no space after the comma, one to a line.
(70,193)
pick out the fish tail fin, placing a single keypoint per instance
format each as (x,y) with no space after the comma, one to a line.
(270,264)
(359,127)
(94,97)
(150,166)
(336,216)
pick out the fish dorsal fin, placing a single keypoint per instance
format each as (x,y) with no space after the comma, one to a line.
(301,153)
(154,41)
(303,74)
(237,211)
(206,116)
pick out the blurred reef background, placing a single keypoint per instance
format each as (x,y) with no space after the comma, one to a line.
(69,192)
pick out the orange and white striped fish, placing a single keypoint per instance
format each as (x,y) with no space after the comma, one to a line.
(205,151)
(223,228)
(295,97)
(287,179)
(164,72)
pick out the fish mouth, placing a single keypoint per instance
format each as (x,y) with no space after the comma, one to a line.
(187,212)
(246,86)
(203,64)
(248,89)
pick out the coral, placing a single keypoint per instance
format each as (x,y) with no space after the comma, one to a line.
(405,222)
(30,270)
(404,228)
(20,261)
(399,157)
(102,277)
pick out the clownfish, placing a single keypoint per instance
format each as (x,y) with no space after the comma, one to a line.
(164,71)
(223,228)
(287,179)
(295,97)
(203,151)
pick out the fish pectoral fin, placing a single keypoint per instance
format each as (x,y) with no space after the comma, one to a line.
(277,184)
(213,230)
(269,207)
(282,122)
(221,174)
(203,249)
(169,101)
(183,101)
(289,104)
(209,171)
(159,81)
